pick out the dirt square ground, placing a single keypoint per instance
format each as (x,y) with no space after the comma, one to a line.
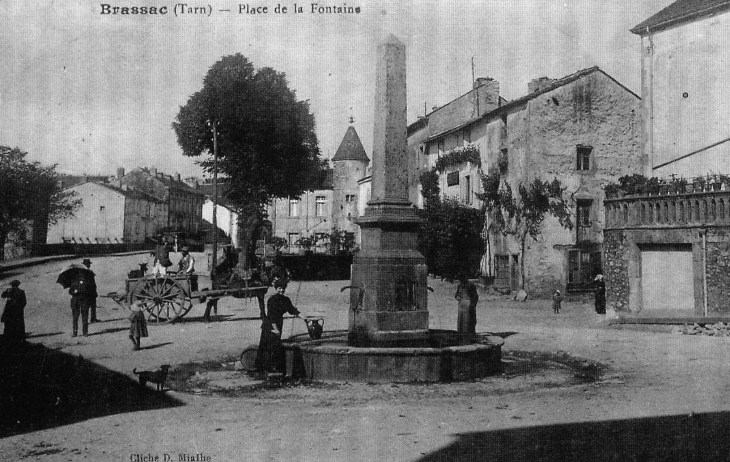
(574,387)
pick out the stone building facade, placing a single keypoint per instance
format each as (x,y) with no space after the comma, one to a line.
(110,215)
(349,165)
(329,206)
(685,60)
(582,129)
(184,203)
(668,255)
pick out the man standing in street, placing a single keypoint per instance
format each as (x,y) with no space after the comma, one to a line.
(186,266)
(83,293)
(92,281)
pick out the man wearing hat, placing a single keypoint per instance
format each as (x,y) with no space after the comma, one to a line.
(92,280)
(186,265)
(83,297)
(12,316)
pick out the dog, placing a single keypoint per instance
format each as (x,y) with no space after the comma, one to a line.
(157,377)
(136,274)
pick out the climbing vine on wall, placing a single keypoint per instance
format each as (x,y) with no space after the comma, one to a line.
(469,153)
(522,214)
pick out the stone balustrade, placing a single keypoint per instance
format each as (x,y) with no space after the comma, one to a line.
(669,210)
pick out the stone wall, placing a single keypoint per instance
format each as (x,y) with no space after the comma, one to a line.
(718,267)
(616,270)
(346,174)
(541,140)
(710,265)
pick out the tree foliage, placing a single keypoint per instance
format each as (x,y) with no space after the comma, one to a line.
(450,234)
(267,145)
(523,214)
(29,191)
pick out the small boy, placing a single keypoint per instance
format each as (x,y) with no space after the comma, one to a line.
(557,299)
(138,324)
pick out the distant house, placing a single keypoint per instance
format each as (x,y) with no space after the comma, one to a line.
(330,205)
(308,216)
(226,218)
(184,211)
(583,129)
(109,215)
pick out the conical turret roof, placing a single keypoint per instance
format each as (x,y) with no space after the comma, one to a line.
(351,147)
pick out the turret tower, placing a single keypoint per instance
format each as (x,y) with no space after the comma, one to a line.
(349,165)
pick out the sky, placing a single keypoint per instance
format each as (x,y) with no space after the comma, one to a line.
(94,92)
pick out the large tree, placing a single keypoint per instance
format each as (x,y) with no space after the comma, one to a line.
(29,192)
(267,145)
(523,214)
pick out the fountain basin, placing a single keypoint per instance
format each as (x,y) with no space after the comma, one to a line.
(446,356)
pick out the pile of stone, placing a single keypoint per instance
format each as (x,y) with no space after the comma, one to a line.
(719,329)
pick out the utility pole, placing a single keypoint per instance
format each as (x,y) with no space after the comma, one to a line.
(473,81)
(215,204)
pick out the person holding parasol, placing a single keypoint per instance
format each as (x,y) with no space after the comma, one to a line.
(79,280)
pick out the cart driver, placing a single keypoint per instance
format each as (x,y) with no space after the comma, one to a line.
(162,257)
(186,266)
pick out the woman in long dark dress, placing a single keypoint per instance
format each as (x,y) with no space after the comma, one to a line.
(467,296)
(13,316)
(600,294)
(269,357)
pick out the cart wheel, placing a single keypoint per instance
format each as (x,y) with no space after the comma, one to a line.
(248,357)
(164,299)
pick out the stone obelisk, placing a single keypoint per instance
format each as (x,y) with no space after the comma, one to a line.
(390,307)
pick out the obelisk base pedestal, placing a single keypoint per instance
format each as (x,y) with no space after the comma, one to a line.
(389,329)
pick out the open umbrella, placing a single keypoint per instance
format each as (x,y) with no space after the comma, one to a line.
(73,272)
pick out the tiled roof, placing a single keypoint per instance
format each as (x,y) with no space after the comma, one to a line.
(679,12)
(351,147)
(132,193)
(172,183)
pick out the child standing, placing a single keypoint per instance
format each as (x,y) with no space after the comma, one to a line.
(138,324)
(557,299)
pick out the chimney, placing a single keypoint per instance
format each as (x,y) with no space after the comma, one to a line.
(538,84)
(153,172)
(177,177)
(481,81)
(120,172)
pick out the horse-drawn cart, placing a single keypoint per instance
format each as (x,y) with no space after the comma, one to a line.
(167,298)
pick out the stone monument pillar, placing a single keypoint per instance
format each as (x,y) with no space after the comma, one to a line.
(390,307)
